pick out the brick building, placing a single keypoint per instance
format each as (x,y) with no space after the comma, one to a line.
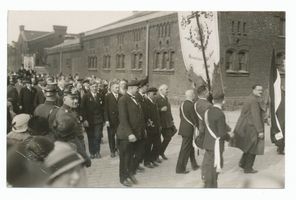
(147,43)
(33,43)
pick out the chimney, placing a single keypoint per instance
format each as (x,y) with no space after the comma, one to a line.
(61,29)
(22,27)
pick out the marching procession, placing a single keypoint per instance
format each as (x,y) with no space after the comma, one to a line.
(48,118)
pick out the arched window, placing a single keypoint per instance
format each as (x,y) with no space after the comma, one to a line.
(165,60)
(229,60)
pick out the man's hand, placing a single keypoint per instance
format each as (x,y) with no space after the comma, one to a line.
(107,123)
(164,108)
(132,138)
(261,135)
(231,134)
(85,124)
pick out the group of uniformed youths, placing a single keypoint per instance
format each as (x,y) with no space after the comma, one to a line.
(139,124)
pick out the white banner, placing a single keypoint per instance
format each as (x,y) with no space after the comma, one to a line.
(191,45)
(29,62)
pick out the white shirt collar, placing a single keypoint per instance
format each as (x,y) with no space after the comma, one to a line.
(130,94)
(150,99)
(162,95)
(189,100)
(202,98)
(218,106)
(115,95)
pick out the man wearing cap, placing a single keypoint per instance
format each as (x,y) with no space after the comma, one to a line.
(111,115)
(85,84)
(66,124)
(19,84)
(216,132)
(92,109)
(60,91)
(130,130)
(27,96)
(39,97)
(153,142)
(168,128)
(48,109)
(188,122)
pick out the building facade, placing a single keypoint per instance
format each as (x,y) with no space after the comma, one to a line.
(148,43)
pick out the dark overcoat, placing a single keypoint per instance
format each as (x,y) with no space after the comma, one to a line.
(250,123)
(27,99)
(152,115)
(131,118)
(92,109)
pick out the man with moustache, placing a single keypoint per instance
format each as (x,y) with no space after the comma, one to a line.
(130,130)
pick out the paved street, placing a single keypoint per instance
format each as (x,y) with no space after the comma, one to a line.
(104,171)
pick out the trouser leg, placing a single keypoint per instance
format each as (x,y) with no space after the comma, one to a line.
(111,138)
(156,145)
(250,159)
(242,162)
(91,138)
(209,174)
(183,155)
(124,159)
(167,136)
(148,148)
(192,157)
(138,152)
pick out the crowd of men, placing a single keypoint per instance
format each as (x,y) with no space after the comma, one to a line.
(47,117)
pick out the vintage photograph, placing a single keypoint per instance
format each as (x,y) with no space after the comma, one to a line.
(145,99)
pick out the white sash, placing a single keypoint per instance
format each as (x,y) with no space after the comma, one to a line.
(195,133)
(217,158)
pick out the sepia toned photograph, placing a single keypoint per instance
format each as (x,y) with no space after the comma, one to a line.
(145,99)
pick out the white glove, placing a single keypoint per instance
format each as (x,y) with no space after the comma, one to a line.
(132,138)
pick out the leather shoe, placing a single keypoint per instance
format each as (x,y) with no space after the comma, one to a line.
(163,157)
(126,183)
(183,172)
(92,156)
(250,171)
(133,179)
(140,169)
(154,164)
(148,165)
(158,160)
(195,167)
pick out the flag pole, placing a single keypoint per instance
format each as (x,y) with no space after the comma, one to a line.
(203,49)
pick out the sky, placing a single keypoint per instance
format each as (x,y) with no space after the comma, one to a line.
(76,21)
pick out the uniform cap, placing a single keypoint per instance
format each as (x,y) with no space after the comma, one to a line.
(152,89)
(61,159)
(133,83)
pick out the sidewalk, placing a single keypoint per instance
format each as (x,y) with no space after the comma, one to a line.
(104,172)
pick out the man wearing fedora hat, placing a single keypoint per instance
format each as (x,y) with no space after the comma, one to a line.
(27,95)
(39,97)
(130,130)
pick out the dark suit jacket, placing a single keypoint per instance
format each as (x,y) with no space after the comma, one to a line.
(60,97)
(217,123)
(111,109)
(152,115)
(186,129)
(39,97)
(131,118)
(166,118)
(201,106)
(27,99)
(92,109)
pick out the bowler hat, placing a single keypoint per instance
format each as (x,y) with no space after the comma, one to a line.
(86,81)
(61,159)
(133,83)
(152,89)
(143,82)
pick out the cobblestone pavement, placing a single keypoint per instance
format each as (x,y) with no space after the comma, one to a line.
(104,172)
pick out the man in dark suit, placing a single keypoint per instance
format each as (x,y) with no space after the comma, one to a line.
(142,99)
(153,141)
(27,96)
(200,106)
(249,130)
(12,94)
(131,129)
(215,135)
(168,128)
(39,97)
(92,108)
(111,115)
(189,121)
